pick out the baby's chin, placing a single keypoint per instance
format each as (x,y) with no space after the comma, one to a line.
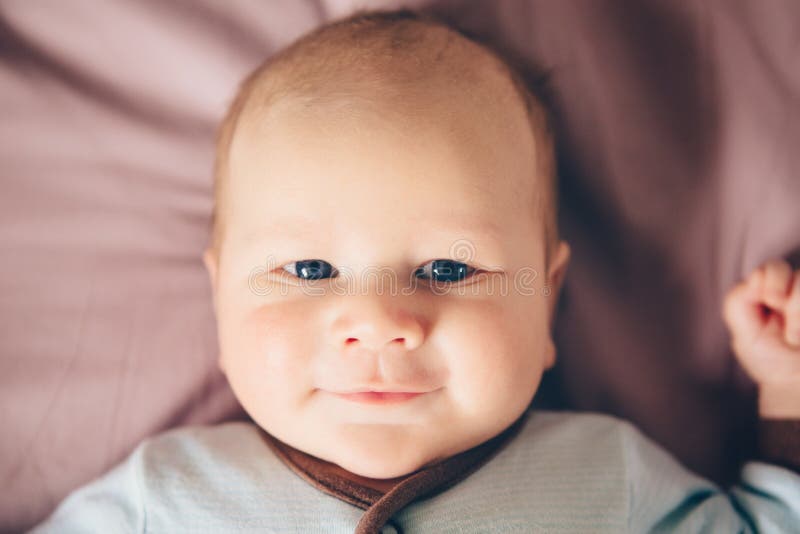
(379,454)
(376,470)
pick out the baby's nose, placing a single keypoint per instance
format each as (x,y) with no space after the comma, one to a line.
(377,323)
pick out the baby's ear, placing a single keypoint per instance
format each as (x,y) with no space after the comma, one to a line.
(555,275)
(210,261)
(550,353)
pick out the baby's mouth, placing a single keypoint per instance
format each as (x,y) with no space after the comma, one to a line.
(379,397)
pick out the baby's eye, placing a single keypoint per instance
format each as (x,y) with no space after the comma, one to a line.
(445,271)
(310,269)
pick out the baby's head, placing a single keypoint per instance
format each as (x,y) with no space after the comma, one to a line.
(385,220)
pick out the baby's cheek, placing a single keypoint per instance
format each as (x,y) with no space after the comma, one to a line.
(270,348)
(490,356)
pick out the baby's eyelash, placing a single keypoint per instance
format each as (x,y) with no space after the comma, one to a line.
(311,269)
(440,267)
(450,270)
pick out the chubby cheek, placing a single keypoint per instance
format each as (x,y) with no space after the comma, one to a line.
(265,355)
(495,359)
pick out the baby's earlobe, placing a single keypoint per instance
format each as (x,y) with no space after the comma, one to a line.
(549,354)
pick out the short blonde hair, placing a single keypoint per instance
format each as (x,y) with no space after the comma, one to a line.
(417,40)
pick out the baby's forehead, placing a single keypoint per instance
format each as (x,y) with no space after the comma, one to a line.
(489,109)
(486,135)
(400,79)
(486,126)
(396,76)
(326,155)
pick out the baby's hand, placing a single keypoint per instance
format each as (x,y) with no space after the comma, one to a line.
(763,315)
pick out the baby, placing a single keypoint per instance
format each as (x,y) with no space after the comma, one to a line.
(385,265)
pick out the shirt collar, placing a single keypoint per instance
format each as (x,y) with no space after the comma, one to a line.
(380,506)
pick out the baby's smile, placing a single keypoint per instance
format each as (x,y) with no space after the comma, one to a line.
(379,397)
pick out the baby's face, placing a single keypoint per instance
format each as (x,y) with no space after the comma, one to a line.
(378,198)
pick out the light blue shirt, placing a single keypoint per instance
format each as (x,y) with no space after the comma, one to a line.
(563,472)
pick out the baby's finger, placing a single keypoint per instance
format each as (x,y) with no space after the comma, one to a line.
(777,278)
(791,313)
(742,310)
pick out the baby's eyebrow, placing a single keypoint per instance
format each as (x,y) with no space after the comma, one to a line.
(296,226)
(456,226)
